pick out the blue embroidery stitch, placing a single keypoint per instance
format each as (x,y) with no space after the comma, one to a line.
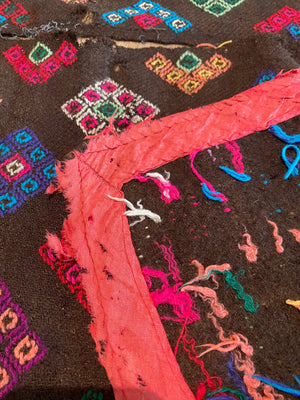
(26,169)
(148,14)
(294,30)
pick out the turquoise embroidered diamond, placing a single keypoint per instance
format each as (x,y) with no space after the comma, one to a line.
(108,109)
(188,62)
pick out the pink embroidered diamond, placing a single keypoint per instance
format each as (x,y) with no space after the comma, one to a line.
(89,122)
(14,168)
(108,87)
(91,95)
(144,110)
(125,98)
(147,21)
(74,107)
(67,53)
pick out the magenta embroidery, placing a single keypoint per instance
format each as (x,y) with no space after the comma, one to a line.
(182,304)
(22,347)
(41,63)
(95,105)
(286,17)
(68,272)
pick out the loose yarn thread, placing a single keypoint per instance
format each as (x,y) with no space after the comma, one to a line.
(249,248)
(292,167)
(296,234)
(137,212)
(278,132)
(209,295)
(239,383)
(204,274)
(237,157)
(295,303)
(167,190)
(207,187)
(249,304)
(278,238)
(277,385)
(236,175)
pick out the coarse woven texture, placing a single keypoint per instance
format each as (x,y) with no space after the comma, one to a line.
(215,233)
(96,243)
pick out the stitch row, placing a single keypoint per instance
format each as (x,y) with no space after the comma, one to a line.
(148,14)
(189,74)
(286,17)
(41,63)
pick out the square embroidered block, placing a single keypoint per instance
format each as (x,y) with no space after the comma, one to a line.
(189,73)
(114,18)
(95,105)
(294,30)
(147,15)
(146,5)
(26,169)
(178,24)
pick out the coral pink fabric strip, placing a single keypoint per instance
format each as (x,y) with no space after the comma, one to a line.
(129,336)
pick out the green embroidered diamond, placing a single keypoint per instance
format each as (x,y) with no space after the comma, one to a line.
(108,109)
(23,19)
(188,62)
(10,9)
(39,53)
(217,7)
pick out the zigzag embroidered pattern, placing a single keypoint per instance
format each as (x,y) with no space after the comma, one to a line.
(189,74)
(148,14)
(217,7)
(93,107)
(26,169)
(41,63)
(14,12)
(286,17)
(68,272)
(22,347)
